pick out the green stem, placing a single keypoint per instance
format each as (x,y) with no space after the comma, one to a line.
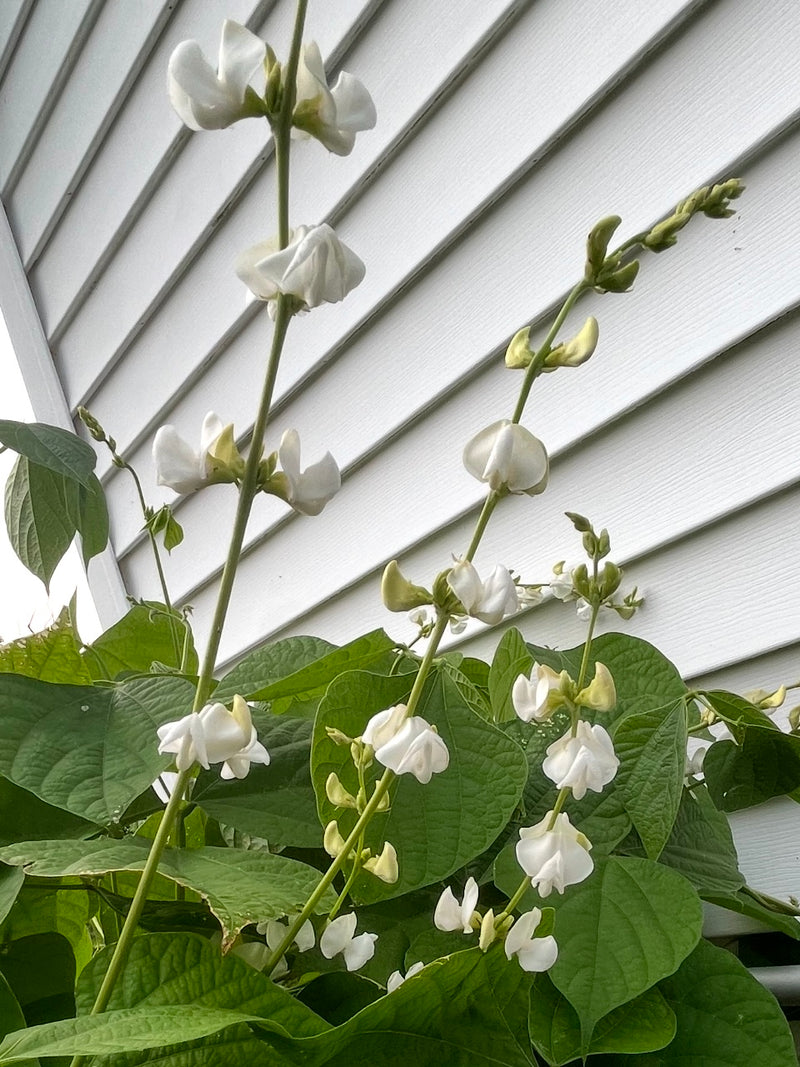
(491,502)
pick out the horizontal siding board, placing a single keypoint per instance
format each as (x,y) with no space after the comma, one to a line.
(680,314)
(188,207)
(138,149)
(51,40)
(13,14)
(81,115)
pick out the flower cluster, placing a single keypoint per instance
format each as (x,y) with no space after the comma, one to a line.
(215,735)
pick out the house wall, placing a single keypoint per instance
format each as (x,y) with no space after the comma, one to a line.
(505,130)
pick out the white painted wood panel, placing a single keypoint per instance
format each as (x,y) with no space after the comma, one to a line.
(81,115)
(51,40)
(13,14)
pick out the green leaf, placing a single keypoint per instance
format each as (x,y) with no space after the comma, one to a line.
(92,519)
(24,816)
(41,972)
(620,931)
(766,764)
(113,1032)
(725,1017)
(240,887)
(11,1017)
(40,510)
(701,846)
(88,750)
(642,1025)
(272,681)
(41,910)
(141,637)
(511,659)
(58,450)
(174,969)
(469,1010)
(269,664)
(740,715)
(275,802)
(11,879)
(742,902)
(438,827)
(644,679)
(51,656)
(651,747)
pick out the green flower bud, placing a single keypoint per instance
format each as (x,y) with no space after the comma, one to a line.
(488,933)
(575,352)
(609,580)
(398,593)
(618,281)
(597,244)
(518,353)
(337,736)
(224,461)
(581,582)
(600,694)
(663,234)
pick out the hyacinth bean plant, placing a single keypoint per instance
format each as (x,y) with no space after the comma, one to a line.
(374,853)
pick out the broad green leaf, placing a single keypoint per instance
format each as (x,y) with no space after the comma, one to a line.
(512,658)
(651,747)
(438,827)
(89,750)
(147,634)
(275,802)
(23,816)
(269,664)
(41,909)
(701,846)
(740,715)
(644,679)
(92,518)
(173,969)
(469,1010)
(130,1029)
(268,678)
(40,969)
(725,1017)
(11,1017)
(40,510)
(53,655)
(619,932)
(240,887)
(642,1025)
(766,764)
(11,879)
(744,902)
(338,995)
(472,696)
(58,450)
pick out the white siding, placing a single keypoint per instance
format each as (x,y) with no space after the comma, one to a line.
(506,128)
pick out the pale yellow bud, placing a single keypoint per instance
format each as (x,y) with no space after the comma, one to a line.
(337,794)
(224,461)
(600,694)
(766,700)
(332,841)
(384,866)
(398,593)
(575,352)
(241,713)
(337,736)
(518,353)
(488,934)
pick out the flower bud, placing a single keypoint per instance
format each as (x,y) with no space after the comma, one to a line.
(398,593)
(576,351)
(224,462)
(332,841)
(764,700)
(384,866)
(337,736)
(597,244)
(337,794)
(663,234)
(581,582)
(618,281)
(519,353)
(600,694)
(488,934)
(794,720)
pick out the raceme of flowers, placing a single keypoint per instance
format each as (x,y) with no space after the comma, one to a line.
(208,99)
(556,857)
(315,268)
(489,600)
(406,745)
(215,735)
(508,457)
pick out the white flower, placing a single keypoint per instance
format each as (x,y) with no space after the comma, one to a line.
(334,116)
(489,601)
(406,746)
(275,932)
(554,859)
(315,267)
(539,696)
(694,762)
(561,583)
(396,979)
(585,761)
(583,609)
(178,466)
(215,735)
(533,953)
(310,490)
(506,455)
(450,915)
(209,100)
(338,937)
